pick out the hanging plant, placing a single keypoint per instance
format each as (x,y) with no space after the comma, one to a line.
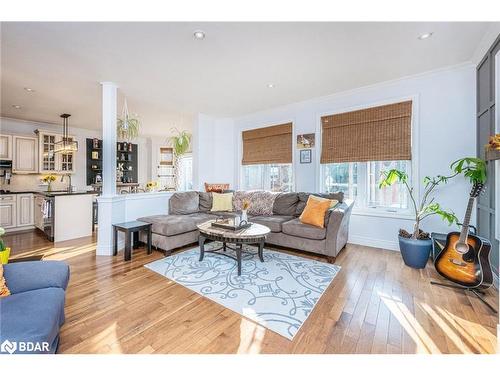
(180,142)
(127,126)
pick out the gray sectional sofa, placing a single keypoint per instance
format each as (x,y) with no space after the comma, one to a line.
(187,209)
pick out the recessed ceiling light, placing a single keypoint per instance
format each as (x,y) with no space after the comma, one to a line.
(270,85)
(198,34)
(425,36)
(16,106)
(29,89)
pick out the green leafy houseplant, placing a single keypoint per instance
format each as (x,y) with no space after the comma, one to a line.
(128,128)
(473,169)
(181,142)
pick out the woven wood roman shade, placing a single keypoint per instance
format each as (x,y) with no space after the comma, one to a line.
(372,134)
(270,145)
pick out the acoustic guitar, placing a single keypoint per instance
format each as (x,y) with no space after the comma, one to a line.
(465,256)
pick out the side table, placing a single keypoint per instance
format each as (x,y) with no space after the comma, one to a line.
(129,228)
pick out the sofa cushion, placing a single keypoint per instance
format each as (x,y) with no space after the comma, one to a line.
(315,210)
(205,201)
(170,225)
(24,276)
(339,196)
(216,188)
(261,202)
(273,222)
(224,214)
(183,203)
(285,204)
(33,316)
(296,228)
(222,202)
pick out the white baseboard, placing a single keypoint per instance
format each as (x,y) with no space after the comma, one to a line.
(373,242)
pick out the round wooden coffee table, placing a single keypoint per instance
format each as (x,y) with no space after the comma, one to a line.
(256,234)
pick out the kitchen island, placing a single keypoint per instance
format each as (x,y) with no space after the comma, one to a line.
(64,215)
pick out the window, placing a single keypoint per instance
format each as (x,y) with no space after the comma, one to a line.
(359,181)
(185,174)
(274,177)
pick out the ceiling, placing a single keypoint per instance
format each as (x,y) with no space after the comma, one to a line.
(168,76)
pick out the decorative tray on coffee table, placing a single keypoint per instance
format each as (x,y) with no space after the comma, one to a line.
(230,224)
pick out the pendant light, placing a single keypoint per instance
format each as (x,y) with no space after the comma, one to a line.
(67,145)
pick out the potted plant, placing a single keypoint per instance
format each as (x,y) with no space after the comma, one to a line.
(49,179)
(415,247)
(4,251)
(181,142)
(127,127)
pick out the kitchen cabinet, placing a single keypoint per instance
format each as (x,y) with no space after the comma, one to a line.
(5,147)
(25,210)
(8,211)
(49,161)
(25,158)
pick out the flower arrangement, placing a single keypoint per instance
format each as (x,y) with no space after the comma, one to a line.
(151,185)
(49,179)
(245,205)
(4,251)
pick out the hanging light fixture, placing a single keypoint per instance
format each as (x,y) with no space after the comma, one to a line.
(67,145)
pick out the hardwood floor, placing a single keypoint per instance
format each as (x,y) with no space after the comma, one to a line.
(374,305)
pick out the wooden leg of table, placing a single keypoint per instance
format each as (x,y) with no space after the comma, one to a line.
(201,242)
(261,250)
(115,242)
(150,248)
(128,247)
(238,258)
(223,246)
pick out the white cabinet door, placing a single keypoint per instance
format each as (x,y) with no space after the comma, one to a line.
(5,147)
(46,151)
(25,210)
(25,158)
(7,211)
(49,160)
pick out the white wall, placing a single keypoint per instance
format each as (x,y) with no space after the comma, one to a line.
(79,178)
(444,118)
(214,151)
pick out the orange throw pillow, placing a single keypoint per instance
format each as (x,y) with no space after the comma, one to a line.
(315,210)
(4,291)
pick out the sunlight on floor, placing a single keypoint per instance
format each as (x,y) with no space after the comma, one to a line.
(58,253)
(410,324)
(251,334)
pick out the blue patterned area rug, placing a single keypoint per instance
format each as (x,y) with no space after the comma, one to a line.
(279,294)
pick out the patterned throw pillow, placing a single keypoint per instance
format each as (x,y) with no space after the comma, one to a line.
(4,291)
(261,202)
(216,188)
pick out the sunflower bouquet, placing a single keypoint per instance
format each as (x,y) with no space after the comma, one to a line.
(151,185)
(49,179)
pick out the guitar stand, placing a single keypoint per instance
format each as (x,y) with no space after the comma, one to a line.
(478,293)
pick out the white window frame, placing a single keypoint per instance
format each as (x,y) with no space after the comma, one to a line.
(414,178)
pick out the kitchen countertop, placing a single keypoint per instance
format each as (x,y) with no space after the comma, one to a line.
(50,194)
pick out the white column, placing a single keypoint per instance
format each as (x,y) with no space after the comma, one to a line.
(111,208)
(108,139)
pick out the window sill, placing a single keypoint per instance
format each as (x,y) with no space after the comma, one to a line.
(381,213)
